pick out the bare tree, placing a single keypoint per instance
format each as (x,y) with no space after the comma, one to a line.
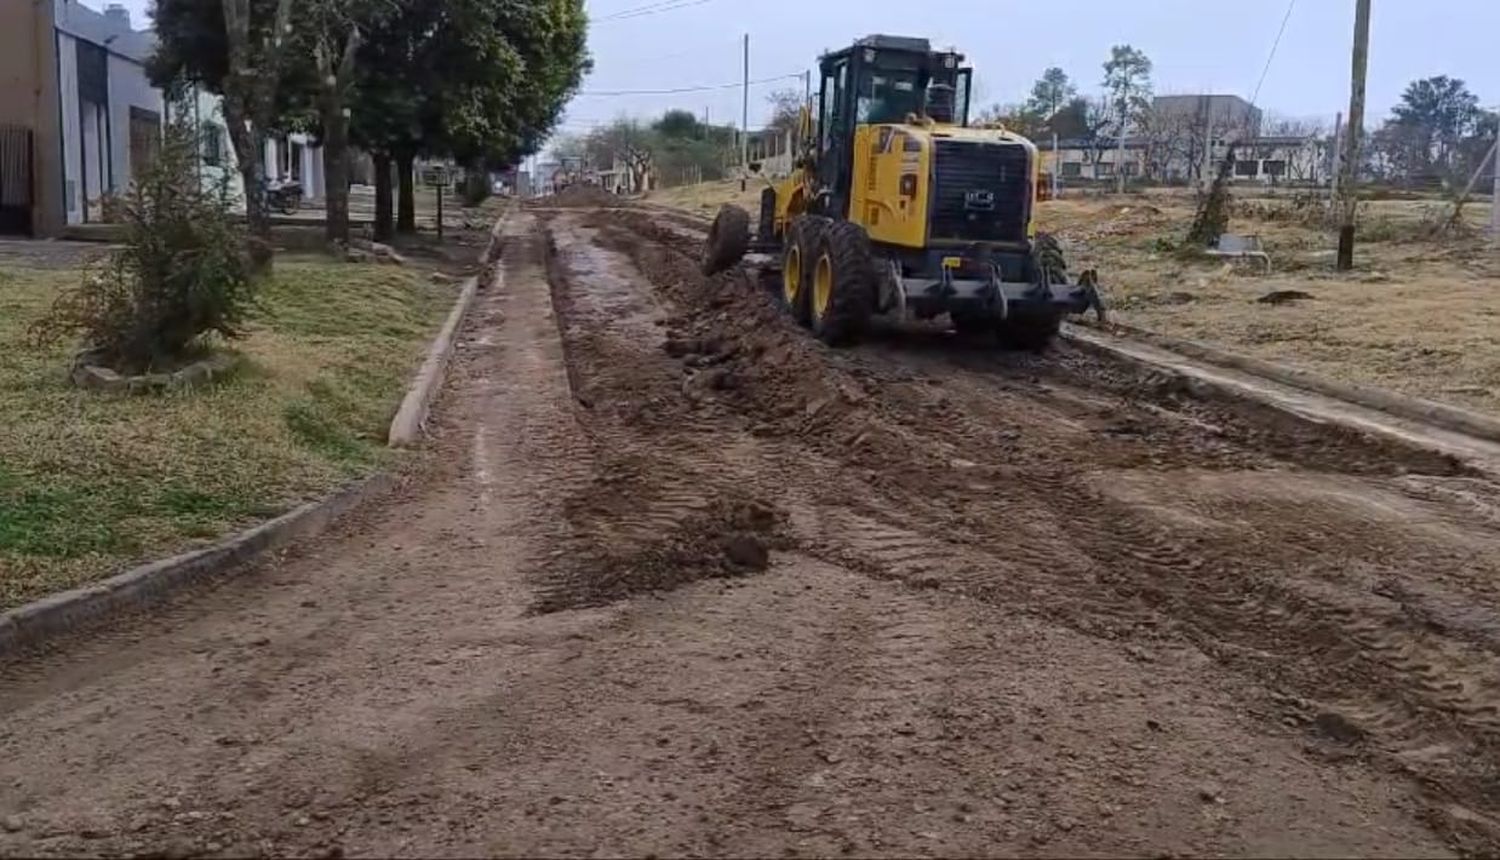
(626,142)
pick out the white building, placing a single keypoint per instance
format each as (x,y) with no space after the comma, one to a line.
(110,114)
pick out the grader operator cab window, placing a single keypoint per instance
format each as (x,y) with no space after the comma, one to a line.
(888,97)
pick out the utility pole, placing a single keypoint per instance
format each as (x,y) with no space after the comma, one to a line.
(745,109)
(1333,156)
(1495,195)
(1056,164)
(1120,158)
(1206,173)
(1358,65)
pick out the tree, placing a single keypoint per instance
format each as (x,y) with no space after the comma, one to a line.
(624,141)
(235,48)
(1441,111)
(679,125)
(1051,93)
(481,81)
(332,29)
(786,110)
(1018,118)
(1127,80)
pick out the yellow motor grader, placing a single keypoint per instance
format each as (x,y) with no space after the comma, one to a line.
(898,206)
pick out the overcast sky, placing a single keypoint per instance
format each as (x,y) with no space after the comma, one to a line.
(1196,46)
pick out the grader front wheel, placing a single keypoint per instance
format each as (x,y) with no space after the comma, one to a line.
(843,283)
(798,257)
(728,239)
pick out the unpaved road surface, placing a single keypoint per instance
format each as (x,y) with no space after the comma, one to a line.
(674,579)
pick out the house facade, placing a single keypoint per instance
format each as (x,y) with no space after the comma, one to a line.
(31,200)
(79,118)
(111,116)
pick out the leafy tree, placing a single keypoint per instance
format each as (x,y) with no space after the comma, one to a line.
(236,48)
(1127,80)
(329,33)
(1427,129)
(679,125)
(1051,93)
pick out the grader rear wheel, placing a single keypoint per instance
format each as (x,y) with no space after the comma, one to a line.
(843,283)
(728,239)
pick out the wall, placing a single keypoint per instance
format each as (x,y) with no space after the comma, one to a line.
(28,97)
(128,87)
(208,116)
(67,82)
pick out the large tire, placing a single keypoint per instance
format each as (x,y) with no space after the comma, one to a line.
(972,324)
(728,239)
(1032,332)
(798,254)
(843,294)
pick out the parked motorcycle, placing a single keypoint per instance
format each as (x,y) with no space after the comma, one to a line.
(285,197)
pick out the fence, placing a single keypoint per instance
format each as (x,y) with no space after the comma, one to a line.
(15,179)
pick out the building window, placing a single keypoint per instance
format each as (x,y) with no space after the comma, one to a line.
(213,145)
(1104,168)
(1247,169)
(1275,168)
(1072,169)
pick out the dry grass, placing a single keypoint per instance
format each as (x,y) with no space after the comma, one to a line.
(706,198)
(1417,315)
(90,483)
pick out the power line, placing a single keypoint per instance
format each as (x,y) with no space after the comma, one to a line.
(1255,96)
(648,10)
(676,90)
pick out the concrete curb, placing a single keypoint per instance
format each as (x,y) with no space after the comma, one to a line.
(149,583)
(406,427)
(1414,408)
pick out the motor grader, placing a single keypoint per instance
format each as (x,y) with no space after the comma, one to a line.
(898,206)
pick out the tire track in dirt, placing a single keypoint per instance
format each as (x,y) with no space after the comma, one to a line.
(1013,457)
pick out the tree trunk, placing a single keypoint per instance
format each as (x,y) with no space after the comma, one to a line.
(385,225)
(476,182)
(249,152)
(335,169)
(406,206)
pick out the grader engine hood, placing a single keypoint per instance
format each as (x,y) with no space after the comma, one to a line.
(920,186)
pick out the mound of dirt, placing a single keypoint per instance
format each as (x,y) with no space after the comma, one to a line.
(734,537)
(583,197)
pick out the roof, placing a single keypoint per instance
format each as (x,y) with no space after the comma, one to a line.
(895,43)
(1045,143)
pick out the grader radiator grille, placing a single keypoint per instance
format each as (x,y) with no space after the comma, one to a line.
(980,191)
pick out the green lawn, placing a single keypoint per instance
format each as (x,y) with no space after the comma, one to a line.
(90,483)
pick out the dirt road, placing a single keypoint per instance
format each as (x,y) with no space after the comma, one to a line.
(674,579)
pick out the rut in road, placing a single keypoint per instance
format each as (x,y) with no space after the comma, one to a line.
(1351,576)
(1001,596)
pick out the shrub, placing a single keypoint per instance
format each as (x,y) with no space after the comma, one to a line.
(178,280)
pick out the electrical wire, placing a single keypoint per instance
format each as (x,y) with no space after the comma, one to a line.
(1255,96)
(676,90)
(648,10)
